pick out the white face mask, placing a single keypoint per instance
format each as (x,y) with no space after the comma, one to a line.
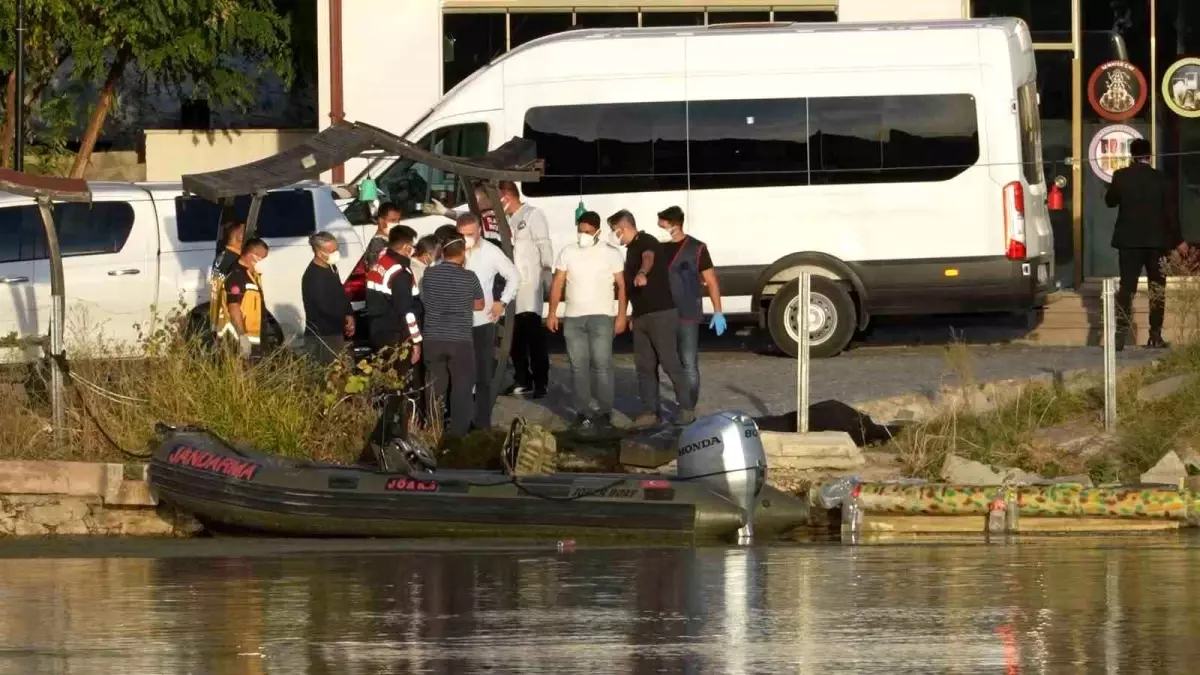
(586,240)
(471,240)
(259,265)
(333,258)
(663,236)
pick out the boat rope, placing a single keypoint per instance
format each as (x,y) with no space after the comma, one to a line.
(65,366)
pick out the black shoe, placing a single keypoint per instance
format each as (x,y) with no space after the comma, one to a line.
(1156,342)
(539,391)
(516,390)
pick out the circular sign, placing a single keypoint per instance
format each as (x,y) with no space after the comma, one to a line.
(1109,150)
(1181,87)
(1117,90)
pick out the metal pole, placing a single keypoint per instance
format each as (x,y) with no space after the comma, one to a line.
(1153,84)
(802,355)
(19,99)
(57,319)
(1110,354)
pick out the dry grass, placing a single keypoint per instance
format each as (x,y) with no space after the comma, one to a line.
(281,404)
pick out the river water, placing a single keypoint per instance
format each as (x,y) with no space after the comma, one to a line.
(222,606)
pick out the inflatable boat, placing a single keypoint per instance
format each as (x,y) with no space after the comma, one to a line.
(718,494)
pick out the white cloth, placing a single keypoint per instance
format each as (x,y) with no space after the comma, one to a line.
(487,261)
(590,271)
(533,254)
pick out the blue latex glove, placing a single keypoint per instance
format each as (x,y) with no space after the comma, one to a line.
(718,323)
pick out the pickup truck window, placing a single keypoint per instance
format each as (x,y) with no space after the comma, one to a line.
(83,229)
(285,213)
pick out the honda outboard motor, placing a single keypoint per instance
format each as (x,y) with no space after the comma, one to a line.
(724,451)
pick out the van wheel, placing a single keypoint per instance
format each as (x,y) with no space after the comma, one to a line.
(831,318)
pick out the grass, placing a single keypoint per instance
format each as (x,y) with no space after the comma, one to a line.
(1007,435)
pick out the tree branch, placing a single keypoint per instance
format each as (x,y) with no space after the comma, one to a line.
(96,122)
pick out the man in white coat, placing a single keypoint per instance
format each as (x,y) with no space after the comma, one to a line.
(533,254)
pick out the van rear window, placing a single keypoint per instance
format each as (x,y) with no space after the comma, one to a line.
(1031,133)
(287,213)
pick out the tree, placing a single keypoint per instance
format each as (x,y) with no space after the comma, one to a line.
(212,47)
(45,53)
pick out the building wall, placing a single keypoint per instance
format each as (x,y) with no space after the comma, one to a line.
(901,10)
(171,153)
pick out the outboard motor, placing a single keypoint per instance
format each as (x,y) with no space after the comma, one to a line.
(724,451)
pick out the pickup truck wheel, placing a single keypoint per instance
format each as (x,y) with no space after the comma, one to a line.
(831,318)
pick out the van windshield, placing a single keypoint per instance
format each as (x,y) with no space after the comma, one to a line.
(1031,133)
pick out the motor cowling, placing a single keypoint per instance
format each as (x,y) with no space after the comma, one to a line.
(725,451)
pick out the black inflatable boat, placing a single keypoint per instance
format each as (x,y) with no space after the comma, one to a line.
(232,489)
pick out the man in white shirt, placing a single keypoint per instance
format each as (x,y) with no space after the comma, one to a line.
(488,262)
(533,254)
(589,271)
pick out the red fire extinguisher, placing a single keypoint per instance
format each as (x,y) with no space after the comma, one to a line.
(1054,200)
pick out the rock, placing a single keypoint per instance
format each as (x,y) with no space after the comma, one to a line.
(650,449)
(1170,470)
(1163,388)
(1077,437)
(812,451)
(960,471)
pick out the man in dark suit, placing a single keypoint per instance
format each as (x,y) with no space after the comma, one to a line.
(1147,230)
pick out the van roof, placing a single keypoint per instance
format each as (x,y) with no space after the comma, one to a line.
(771,28)
(139,191)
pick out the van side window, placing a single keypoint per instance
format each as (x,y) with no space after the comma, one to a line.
(83,229)
(409,184)
(609,148)
(284,214)
(891,139)
(744,144)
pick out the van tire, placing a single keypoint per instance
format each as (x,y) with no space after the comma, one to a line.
(835,304)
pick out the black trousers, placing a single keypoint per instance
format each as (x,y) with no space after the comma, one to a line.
(451,366)
(655,344)
(530,355)
(484,339)
(1131,262)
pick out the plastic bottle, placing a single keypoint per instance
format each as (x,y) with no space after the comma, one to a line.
(832,494)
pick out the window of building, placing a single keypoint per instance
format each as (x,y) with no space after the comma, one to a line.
(806,17)
(715,18)
(526,27)
(470,42)
(652,19)
(606,19)
(1048,20)
(742,144)
(606,149)
(891,138)
(283,214)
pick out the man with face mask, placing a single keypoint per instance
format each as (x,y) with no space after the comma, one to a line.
(387,217)
(241,316)
(534,256)
(588,271)
(327,313)
(424,253)
(690,271)
(655,321)
(392,297)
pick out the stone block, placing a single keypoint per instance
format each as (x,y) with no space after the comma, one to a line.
(1170,470)
(131,493)
(1163,388)
(960,471)
(650,450)
(812,451)
(76,479)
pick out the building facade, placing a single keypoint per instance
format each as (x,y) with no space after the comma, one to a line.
(387,62)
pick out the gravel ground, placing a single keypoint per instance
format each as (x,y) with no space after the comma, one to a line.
(736,375)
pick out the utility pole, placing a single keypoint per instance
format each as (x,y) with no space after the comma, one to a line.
(19,99)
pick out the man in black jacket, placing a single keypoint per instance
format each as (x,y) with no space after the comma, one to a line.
(1146,231)
(327,313)
(392,302)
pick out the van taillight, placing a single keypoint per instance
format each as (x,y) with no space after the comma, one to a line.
(1014,222)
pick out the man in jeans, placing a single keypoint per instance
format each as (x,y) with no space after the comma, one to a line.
(589,270)
(655,321)
(691,271)
(451,296)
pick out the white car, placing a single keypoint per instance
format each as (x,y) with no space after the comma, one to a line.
(138,246)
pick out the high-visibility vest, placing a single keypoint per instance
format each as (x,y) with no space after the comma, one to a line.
(252,309)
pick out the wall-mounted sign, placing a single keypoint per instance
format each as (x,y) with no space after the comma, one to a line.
(1181,87)
(1117,90)
(1109,150)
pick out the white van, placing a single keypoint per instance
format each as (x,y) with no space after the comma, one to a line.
(899,163)
(140,245)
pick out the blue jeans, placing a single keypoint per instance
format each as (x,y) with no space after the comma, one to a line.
(589,346)
(689,355)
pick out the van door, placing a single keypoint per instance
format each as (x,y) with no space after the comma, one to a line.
(1039,231)
(18,305)
(107,250)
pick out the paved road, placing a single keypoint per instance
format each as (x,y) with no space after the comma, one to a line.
(762,383)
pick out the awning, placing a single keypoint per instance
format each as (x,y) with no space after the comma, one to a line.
(514,161)
(55,189)
(632,6)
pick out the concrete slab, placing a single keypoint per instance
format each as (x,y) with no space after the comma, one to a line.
(812,451)
(76,479)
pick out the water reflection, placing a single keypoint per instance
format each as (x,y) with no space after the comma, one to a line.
(1036,607)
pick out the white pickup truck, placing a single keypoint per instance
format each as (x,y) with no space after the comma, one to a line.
(141,245)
